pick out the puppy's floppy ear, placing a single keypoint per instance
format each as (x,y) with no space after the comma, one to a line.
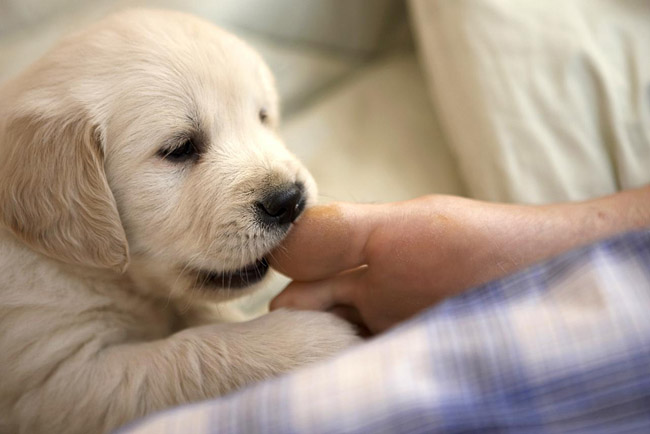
(53,191)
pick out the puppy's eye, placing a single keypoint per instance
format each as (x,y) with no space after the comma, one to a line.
(264,116)
(186,151)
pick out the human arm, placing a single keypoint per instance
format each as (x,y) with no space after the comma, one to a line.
(378,264)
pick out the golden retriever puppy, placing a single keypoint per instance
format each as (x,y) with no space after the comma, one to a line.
(142,179)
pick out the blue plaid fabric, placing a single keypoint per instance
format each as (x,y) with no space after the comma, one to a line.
(561,347)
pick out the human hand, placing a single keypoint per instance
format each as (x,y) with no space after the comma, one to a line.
(379,264)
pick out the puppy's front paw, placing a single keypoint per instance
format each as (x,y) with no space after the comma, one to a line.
(304,337)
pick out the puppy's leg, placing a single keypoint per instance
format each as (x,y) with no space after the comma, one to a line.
(104,390)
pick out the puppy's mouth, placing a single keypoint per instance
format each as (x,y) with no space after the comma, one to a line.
(240,278)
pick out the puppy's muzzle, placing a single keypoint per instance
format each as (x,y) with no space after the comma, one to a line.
(282,205)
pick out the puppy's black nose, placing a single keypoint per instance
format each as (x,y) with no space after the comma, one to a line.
(282,205)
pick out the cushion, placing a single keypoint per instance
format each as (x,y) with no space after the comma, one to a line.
(540,101)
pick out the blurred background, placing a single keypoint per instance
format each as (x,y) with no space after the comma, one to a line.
(355,104)
(504,100)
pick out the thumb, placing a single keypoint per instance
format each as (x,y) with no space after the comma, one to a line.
(325,241)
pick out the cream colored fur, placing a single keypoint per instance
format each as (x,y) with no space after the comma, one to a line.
(102,319)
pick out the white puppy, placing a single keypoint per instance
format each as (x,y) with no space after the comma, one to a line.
(141,173)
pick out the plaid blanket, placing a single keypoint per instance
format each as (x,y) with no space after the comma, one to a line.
(561,347)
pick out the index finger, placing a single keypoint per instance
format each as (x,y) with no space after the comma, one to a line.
(325,241)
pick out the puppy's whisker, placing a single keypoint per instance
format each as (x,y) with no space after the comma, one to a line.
(271,255)
(195,285)
(281,250)
(178,276)
(185,267)
(199,289)
(188,301)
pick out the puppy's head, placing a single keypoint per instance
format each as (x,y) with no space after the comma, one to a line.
(149,142)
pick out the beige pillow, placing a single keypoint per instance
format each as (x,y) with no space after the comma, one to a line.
(541,100)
